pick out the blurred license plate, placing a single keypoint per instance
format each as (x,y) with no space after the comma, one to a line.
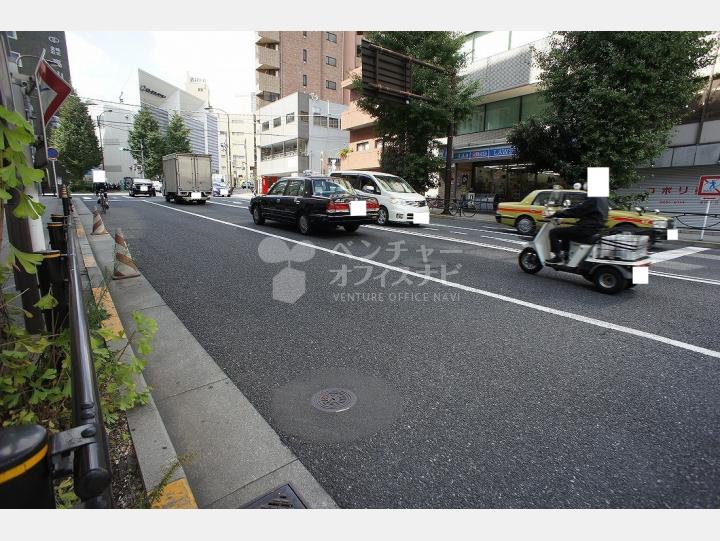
(195,195)
(143,188)
(223,191)
(423,218)
(358,208)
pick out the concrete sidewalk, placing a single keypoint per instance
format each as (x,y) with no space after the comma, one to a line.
(234,456)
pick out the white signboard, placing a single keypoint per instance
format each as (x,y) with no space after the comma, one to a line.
(98,175)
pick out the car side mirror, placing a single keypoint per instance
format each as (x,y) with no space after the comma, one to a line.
(368,189)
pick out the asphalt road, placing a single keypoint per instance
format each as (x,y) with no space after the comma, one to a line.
(483,387)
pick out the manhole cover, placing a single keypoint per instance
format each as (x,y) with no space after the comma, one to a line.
(334,400)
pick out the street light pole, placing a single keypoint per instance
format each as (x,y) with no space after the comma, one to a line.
(227,141)
(102,148)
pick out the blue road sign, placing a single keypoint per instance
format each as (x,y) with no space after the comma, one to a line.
(52,153)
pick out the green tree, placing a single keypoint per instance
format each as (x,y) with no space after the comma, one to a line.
(178,136)
(75,138)
(409,131)
(613,98)
(147,143)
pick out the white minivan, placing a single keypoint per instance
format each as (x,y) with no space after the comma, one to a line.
(399,202)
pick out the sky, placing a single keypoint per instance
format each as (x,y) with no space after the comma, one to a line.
(104,64)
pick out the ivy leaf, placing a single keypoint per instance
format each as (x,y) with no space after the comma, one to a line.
(5,196)
(7,173)
(17,140)
(29,175)
(28,208)
(14,118)
(28,261)
(46,302)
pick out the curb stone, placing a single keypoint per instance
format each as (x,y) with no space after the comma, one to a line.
(236,456)
(154,450)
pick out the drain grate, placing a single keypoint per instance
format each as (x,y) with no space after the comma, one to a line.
(334,400)
(283,497)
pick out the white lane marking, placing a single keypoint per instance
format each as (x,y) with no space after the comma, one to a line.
(430,229)
(493,230)
(674,254)
(460,233)
(437,237)
(709,281)
(706,256)
(87,198)
(546,309)
(224,205)
(451,239)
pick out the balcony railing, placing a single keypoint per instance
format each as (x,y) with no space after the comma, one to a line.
(267,58)
(267,83)
(267,37)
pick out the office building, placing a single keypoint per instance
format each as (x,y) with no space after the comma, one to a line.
(163,99)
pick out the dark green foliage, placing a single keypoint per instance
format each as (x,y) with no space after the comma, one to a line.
(177,139)
(409,130)
(613,98)
(146,141)
(75,139)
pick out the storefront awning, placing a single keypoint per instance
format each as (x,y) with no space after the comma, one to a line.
(481,153)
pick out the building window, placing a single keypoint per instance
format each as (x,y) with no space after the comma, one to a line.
(319,120)
(334,123)
(362,147)
(473,123)
(304,80)
(331,85)
(276,122)
(304,55)
(331,37)
(330,61)
(378,143)
(265,126)
(502,114)
(532,105)
(305,34)
(303,116)
(289,118)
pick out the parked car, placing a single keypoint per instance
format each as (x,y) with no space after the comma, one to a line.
(220,189)
(142,186)
(525,215)
(157,185)
(314,201)
(247,185)
(399,202)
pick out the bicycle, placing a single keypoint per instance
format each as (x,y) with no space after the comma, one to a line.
(463,207)
(103,201)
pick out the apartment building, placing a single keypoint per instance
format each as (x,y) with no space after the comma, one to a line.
(310,62)
(299,133)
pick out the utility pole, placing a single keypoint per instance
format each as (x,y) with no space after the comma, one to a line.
(449,149)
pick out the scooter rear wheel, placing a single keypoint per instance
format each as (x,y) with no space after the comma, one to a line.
(529,261)
(609,280)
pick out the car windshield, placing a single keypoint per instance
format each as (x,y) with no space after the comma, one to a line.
(392,183)
(326,188)
(344,183)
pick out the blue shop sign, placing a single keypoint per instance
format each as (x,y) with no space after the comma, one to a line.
(482,153)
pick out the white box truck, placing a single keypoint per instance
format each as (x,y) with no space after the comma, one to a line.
(187,177)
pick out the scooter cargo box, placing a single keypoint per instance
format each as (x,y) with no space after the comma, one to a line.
(622,247)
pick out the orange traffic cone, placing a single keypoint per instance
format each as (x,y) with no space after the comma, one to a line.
(124,265)
(98,226)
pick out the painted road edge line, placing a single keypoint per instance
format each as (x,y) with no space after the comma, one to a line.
(569,315)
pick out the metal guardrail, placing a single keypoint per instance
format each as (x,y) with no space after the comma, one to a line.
(714,226)
(30,458)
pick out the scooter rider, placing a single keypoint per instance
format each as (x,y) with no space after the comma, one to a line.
(592,214)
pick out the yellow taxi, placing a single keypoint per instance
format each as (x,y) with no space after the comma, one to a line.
(525,215)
